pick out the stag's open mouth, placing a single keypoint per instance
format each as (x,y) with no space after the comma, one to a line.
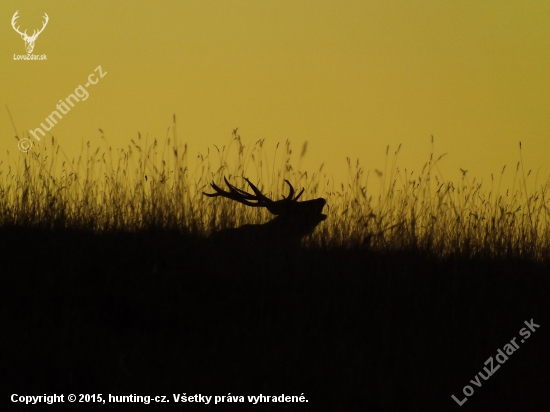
(322,216)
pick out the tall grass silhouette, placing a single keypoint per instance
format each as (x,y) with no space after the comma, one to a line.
(153,185)
(111,282)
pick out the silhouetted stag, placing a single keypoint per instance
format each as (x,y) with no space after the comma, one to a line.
(293,220)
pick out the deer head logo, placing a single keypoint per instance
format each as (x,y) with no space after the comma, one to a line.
(29,40)
(293,219)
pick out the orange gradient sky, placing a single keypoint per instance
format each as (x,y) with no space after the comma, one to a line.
(348,77)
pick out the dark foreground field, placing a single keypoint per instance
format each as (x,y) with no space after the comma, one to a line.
(162,313)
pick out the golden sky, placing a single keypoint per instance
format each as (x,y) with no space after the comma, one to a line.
(348,77)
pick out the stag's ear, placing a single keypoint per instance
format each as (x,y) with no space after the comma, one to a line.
(299,194)
(290,192)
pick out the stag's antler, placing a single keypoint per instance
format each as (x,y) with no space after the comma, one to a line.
(258,199)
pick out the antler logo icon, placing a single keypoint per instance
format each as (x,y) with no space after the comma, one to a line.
(29,40)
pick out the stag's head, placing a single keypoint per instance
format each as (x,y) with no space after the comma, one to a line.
(293,218)
(29,40)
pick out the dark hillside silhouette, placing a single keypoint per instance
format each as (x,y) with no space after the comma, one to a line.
(141,313)
(123,278)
